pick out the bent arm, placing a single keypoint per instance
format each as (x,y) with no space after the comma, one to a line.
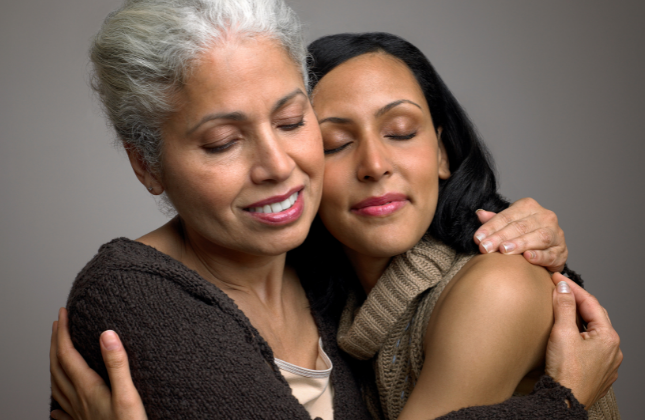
(488,330)
(549,400)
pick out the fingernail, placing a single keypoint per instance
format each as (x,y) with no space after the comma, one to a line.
(508,247)
(563,287)
(487,246)
(478,210)
(109,340)
(480,236)
(54,414)
(532,255)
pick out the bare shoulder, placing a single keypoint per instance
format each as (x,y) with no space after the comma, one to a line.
(488,329)
(497,279)
(498,290)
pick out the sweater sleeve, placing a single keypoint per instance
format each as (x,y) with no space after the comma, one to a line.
(190,358)
(547,401)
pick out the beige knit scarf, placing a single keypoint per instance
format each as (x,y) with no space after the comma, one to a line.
(389,327)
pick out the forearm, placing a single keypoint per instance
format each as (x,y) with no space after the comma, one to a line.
(549,400)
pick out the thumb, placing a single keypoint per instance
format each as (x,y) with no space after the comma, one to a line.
(564,308)
(116,362)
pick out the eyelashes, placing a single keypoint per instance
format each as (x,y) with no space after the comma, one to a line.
(397,137)
(337,149)
(291,127)
(402,137)
(230,143)
(220,149)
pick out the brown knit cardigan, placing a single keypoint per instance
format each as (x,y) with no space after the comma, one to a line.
(195,355)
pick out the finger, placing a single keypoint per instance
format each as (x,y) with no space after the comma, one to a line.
(60,415)
(60,385)
(73,364)
(524,235)
(607,315)
(521,235)
(118,368)
(484,216)
(519,210)
(564,309)
(60,397)
(588,306)
(552,259)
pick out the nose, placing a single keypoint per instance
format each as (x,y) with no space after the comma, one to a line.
(374,163)
(272,160)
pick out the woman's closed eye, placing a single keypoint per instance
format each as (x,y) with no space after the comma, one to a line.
(288,120)
(329,151)
(220,147)
(293,126)
(407,136)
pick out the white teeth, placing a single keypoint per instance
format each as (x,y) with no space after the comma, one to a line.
(276,207)
(286,203)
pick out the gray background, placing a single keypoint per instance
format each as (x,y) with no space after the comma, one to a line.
(555,87)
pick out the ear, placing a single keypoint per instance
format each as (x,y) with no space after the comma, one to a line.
(143,172)
(443,165)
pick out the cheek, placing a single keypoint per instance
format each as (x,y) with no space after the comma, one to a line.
(423,176)
(196,188)
(310,158)
(335,184)
(334,199)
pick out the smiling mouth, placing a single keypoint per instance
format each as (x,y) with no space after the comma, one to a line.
(286,204)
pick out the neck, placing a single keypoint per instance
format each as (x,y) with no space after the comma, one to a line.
(368,269)
(236,273)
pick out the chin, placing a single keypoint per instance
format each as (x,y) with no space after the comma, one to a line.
(283,242)
(386,247)
(391,242)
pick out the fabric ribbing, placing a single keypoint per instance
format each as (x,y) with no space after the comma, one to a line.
(193,353)
(389,329)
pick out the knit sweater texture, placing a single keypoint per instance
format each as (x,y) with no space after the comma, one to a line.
(193,353)
(388,330)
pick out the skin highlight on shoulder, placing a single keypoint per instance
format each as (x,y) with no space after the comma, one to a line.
(487,332)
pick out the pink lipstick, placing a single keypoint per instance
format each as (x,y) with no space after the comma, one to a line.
(279,209)
(380,206)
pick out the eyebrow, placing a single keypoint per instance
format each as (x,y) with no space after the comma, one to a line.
(240,116)
(335,120)
(386,108)
(391,105)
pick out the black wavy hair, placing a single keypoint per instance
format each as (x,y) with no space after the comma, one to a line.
(471,186)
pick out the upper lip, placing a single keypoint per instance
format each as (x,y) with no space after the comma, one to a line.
(379,201)
(276,198)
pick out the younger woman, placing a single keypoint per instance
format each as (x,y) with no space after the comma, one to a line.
(404,170)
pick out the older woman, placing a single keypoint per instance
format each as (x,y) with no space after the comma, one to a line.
(209,100)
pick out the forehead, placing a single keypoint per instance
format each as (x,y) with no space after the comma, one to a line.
(369,79)
(239,73)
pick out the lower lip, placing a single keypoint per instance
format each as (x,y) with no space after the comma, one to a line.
(284,217)
(384,210)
